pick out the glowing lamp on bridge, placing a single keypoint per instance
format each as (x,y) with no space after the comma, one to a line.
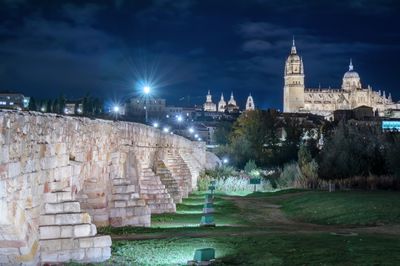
(146,89)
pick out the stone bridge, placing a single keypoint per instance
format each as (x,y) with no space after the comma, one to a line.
(60,177)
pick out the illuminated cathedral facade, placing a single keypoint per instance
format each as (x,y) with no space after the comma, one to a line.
(324,101)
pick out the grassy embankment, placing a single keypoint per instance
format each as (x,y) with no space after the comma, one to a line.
(242,246)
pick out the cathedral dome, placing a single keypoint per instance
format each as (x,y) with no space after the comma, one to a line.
(351,79)
(351,74)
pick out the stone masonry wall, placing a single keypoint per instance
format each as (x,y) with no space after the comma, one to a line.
(61,176)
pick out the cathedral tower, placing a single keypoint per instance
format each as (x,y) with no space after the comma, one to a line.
(293,90)
(250,103)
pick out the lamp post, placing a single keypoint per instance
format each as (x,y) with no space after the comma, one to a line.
(146,91)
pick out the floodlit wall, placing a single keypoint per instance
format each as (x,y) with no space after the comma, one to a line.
(61,176)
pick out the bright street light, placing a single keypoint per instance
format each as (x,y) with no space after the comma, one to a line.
(191,130)
(199,139)
(155,124)
(225,160)
(146,89)
(196,136)
(179,118)
(116,109)
(166,130)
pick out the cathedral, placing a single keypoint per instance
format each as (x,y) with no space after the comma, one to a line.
(324,101)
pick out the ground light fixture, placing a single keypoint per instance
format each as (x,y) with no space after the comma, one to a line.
(204,256)
(225,160)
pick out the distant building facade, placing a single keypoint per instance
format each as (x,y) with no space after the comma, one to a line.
(138,106)
(14,101)
(298,98)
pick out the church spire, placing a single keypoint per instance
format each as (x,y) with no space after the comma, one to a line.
(351,65)
(294,51)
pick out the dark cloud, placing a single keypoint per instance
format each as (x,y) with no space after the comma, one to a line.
(256,46)
(187,46)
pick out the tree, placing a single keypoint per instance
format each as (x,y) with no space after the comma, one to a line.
(49,106)
(32,104)
(61,103)
(223,132)
(352,150)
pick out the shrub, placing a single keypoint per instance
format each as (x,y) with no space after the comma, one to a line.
(233,183)
(289,175)
(250,166)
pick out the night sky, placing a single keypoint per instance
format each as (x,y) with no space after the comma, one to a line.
(186,47)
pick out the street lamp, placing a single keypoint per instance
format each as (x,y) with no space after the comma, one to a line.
(116,109)
(155,124)
(166,130)
(191,130)
(146,91)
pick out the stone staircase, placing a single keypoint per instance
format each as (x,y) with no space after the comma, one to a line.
(65,232)
(126,206)
(153,191)
(168,181)
(180,172)
(194,167)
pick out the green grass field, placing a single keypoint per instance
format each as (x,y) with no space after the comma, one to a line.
(242,243)
(350,208)
(189,212)
(275,249)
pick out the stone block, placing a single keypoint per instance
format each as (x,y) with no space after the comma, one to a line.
(72,218)
(67,231)
(4,154)
(50,245)
(82,230)
(48,219)
(102,241)
(94,253)
(14,169)
(77,254)
(50,232)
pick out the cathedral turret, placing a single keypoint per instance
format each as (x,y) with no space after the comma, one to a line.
(221,104)
(293,91)
(250,103)
(232,100)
